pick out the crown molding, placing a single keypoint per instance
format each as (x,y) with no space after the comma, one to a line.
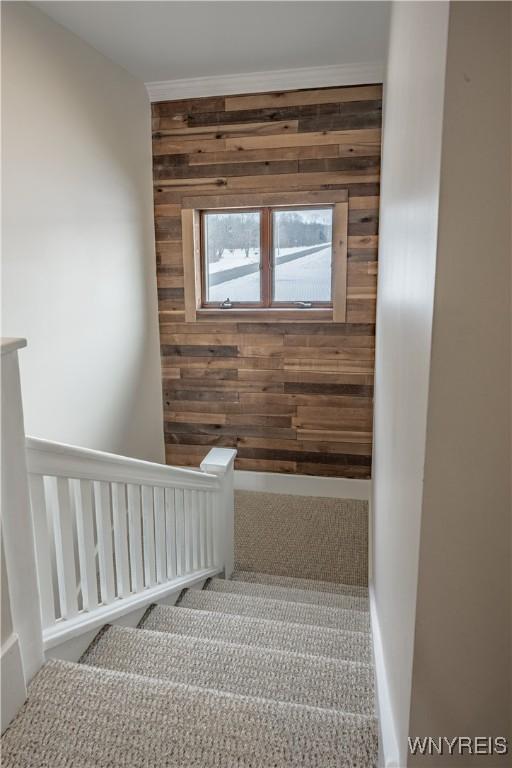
(259,82)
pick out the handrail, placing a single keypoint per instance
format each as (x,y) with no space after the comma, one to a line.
(46,457)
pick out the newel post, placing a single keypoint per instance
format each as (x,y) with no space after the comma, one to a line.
(22,649)
(220,462)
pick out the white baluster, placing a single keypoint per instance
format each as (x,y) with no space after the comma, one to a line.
(179,499)
(194,529)
(195,520)
(43,550)
(82,498)
(187,508)
(58,500)
(161,565)
(135,529)
(105,549)
(121,538)
(210,500)
(170,532)
(148,531)
(202,529)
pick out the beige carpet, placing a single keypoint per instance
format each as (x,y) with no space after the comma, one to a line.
(275,592)
(260,632)
(297,678)
(79,716)
(269,675)
(335,588)
(277,610)
(302,536)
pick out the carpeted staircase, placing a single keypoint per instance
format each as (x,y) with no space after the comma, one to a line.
(261,671)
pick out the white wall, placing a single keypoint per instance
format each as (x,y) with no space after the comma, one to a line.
(441,488)
(412,132)
(78,248)
(462,674)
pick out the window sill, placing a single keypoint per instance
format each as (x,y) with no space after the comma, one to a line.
(319,315)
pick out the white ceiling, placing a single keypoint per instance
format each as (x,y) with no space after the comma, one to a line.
(174,40)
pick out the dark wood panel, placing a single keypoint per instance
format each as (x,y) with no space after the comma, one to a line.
(185,107)
(194,373)
(321,329)
(173,395)
(292,397)
(340,164)
(305,456)
(174,428)
(161,170)
(342,122)
(328,389)
(282,113)
(219,350)
(222,441)
(363,221)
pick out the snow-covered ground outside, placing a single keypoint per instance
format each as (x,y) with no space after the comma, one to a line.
(237,258)
(307,278)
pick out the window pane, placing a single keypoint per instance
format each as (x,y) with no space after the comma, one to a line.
(232,256)
(302,254)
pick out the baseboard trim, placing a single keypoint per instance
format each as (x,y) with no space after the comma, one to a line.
(389,753)
(263,82)
(303,485)
(14,691)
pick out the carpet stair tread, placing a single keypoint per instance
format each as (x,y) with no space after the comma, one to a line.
(263,633)
(294,595)
(277,610)
(297,583)
(239,669)
(85,717)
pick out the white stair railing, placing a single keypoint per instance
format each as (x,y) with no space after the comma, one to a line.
(88,537)
(114,533)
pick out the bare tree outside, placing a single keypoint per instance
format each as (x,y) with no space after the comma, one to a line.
(232,231)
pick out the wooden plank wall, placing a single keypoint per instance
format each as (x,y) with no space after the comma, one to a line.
(290,396)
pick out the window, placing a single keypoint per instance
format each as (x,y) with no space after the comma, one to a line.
(301,256)
(231,257)
(275,254)
(267,257)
